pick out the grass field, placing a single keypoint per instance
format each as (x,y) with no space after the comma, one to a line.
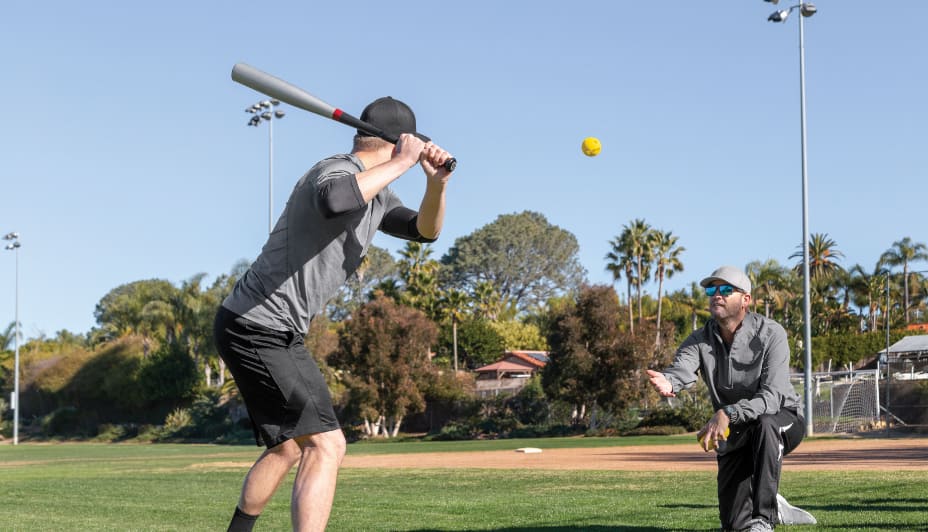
(194,487)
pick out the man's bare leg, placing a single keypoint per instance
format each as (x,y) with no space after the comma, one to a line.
(266,475)
(314,486)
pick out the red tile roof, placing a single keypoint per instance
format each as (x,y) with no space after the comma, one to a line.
(503,365)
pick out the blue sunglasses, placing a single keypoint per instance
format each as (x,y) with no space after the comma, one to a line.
(724,290)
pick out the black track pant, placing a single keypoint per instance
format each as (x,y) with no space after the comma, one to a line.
(749,473)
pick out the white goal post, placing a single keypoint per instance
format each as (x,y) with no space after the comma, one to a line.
(843,401)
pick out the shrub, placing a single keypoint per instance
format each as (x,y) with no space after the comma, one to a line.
(113,432)
(64,421)
(178,420)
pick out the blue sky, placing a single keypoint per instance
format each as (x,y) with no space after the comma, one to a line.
(126,154)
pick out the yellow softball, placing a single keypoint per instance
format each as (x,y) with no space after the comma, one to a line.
(591,146)
(712,444)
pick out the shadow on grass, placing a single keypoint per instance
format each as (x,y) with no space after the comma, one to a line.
(568,529)
(690,506)
(877,505)
(859,526)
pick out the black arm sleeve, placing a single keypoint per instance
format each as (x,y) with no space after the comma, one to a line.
(338,196)
(401,223)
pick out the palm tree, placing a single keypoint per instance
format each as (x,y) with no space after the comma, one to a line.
(866,289)
(823,256)
(768,280)
(902,253)
(823,263)
(619,262)
(488,304)
(635,239)
(666,255)
(454,307)
(420,275)
(7,336)
(919,289)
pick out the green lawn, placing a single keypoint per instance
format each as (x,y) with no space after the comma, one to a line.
(166,487)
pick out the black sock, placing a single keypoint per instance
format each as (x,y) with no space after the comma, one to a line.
(242,522)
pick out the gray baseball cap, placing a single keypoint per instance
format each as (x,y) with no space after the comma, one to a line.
(731,275)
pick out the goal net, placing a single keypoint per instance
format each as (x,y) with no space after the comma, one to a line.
(842,401)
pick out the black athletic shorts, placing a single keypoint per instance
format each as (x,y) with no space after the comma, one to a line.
(284,391)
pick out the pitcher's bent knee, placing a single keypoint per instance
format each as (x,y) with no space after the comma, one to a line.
(330,446)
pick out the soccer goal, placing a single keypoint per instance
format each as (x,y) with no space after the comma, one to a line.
(843,401)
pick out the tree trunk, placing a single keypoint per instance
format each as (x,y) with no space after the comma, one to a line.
(208,374)
(631,312)
(454,334)
(660,287)
(397,421)
(222,372)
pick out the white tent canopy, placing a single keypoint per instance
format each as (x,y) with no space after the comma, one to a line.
(910,345)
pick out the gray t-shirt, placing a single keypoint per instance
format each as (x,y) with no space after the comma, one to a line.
(308,256)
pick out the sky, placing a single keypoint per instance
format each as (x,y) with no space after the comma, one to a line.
(126,154)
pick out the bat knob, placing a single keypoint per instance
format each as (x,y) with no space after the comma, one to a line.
(451,164)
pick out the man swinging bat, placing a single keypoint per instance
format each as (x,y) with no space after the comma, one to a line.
(319,241)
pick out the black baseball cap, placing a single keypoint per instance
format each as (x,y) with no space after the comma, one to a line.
(392,116)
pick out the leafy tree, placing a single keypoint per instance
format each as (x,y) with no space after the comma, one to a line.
(903,253)
(169,377)
(592,363)
(694,301)
(419,273)
(478,343)
(384,353)
(194,310)
(377,267)
(526,259)
(518,335)
(768,280)
(142,307)
(322,343)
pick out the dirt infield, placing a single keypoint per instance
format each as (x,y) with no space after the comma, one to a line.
(893,454)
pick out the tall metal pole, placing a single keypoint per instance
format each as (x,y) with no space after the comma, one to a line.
(270,173)
(265,110)
(16,356)
(889,380)
(14,245)
(806,304)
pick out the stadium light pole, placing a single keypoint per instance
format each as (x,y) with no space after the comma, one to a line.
(264,110)
(886,353)
(806,9)
(14,246)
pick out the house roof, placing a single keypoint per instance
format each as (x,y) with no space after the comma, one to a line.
(537,359)
(909,344)
(503,365)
